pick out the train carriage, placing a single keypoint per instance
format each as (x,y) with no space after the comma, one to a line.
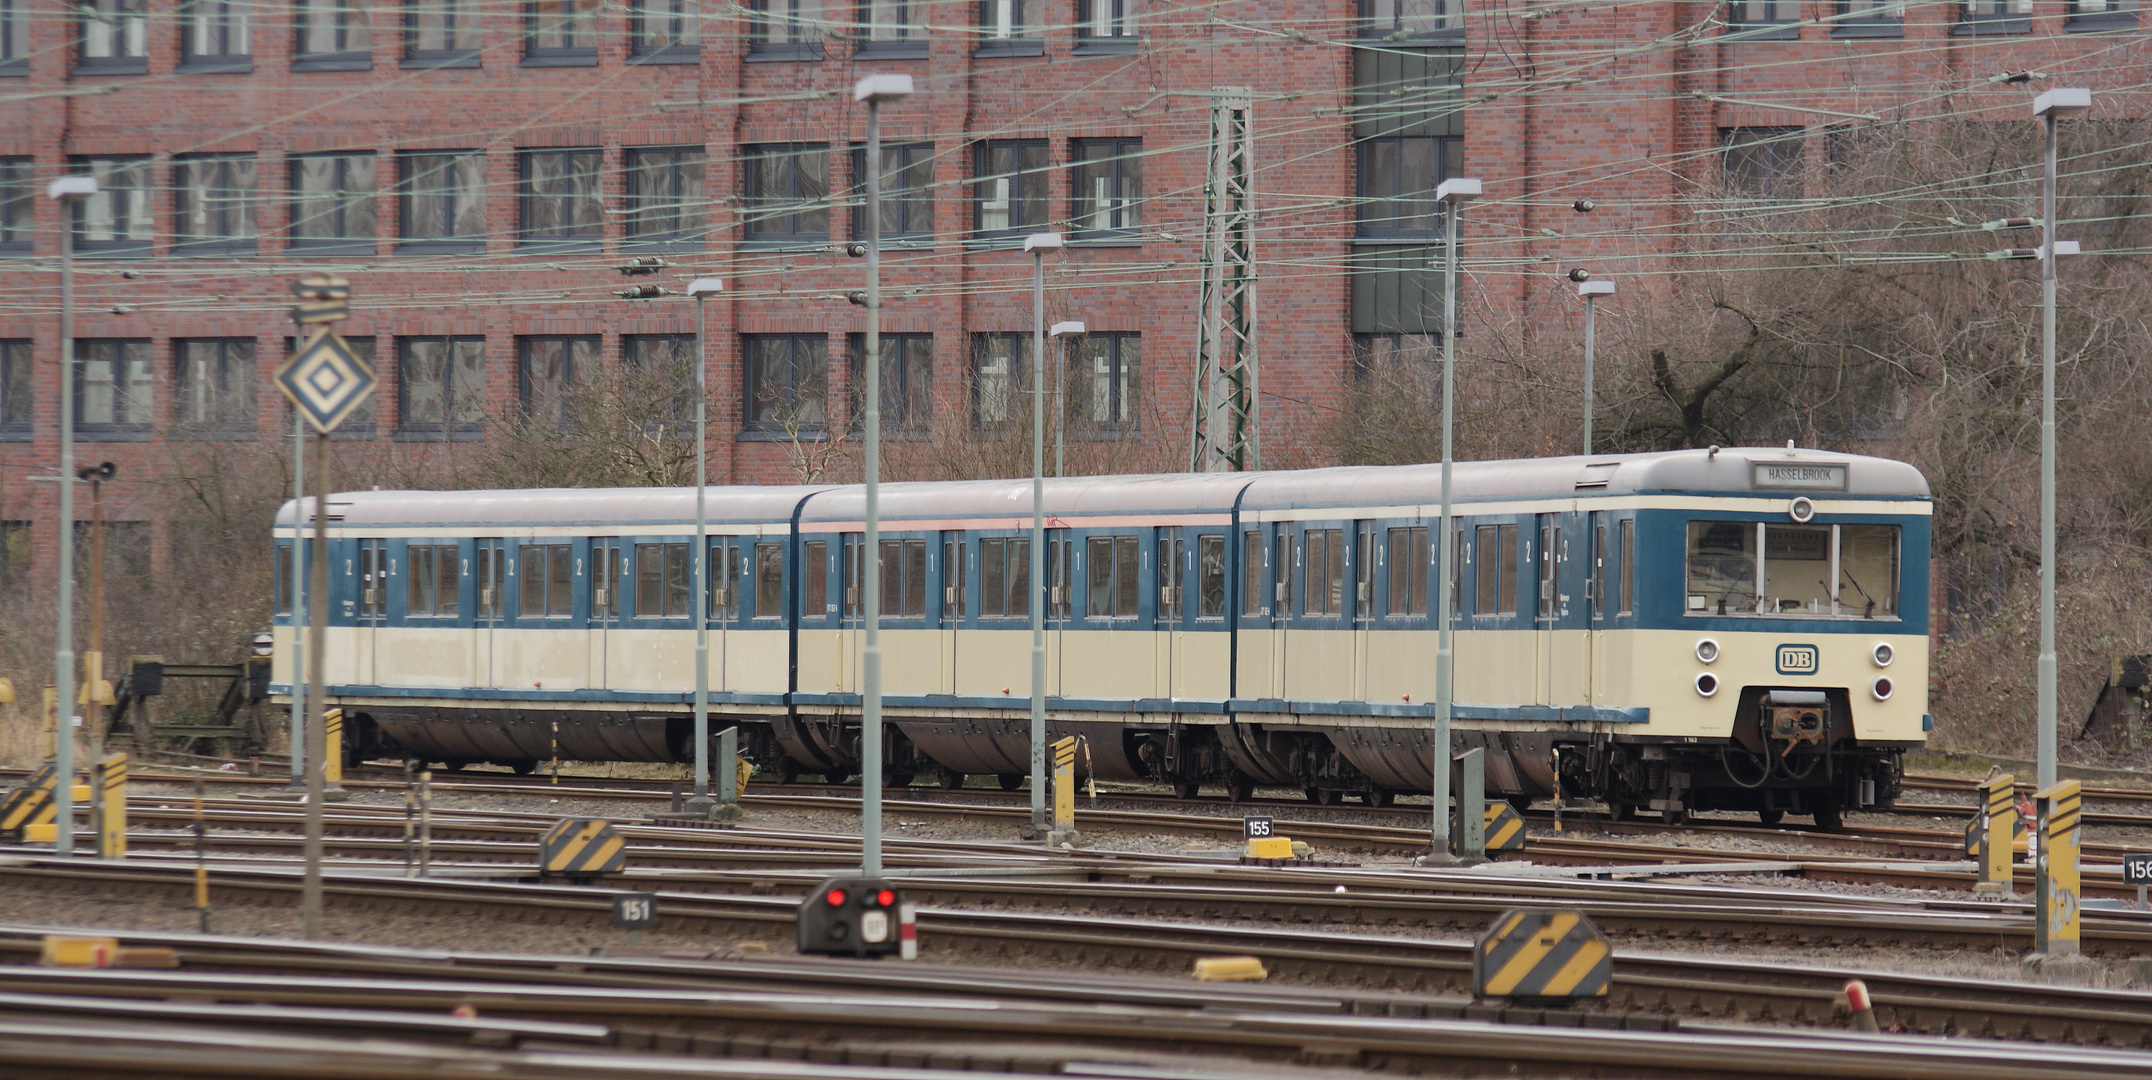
(1707,629)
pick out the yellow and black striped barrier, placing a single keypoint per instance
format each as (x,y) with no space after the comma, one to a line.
(2057,886)
(1542,955)
(112,807)
(29,803)
(332,753)
(1065,783)
(1505,830)
(1997,834)
(581,847)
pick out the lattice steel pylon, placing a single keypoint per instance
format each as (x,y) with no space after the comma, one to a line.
(1225,428)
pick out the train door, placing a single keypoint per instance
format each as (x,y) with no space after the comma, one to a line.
(373,589)
(1569,642)
(850,636)
(1169,617)
(1061,601)
(1595,603)
(1360,603)
(608,572)
(955,605)
(1284,567)
(1546,561)
(725,569)
(489,558)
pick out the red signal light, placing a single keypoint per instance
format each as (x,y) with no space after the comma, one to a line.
(885,898)
(835,897)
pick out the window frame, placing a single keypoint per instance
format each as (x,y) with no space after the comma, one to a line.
(1758,532)
(428,585)
(2112,15)
(914,201)
(18,389)
(410,170)
(635,359)
(1869,19)
(1124,380)
(353,36)
(345,241)
(685,217)
(1447,159)
(1022,37)
(14,29)
(449,427)
(681,44)
(1764,20)
(803,36)
(1019,346)
(1120,18)
(220,427)
(915,413)
(579,29)
(1738,150)
(1124,574)
(458,16)
(573,382)
(1984,17)
(117,430)
(230,20)
(906,39)
(239,205)
(1371,27)
(983,175)
(129,37)
(565,553)
(137,197)
(18,203)
(571,237)
(673,576)
(783,220)
(752,420)
(1124,169)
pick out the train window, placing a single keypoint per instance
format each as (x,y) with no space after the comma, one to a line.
(1363,569)
(1408,571)
(1282,573)
(1497,563)
(1251,573)
(661,581)
(1721,567)
(546,570)
(724,573)
(1111,564)
(492,592)
(1210,577)
(283,580)
(904,578)
(1797,569)
(1626,601)
(853,581)
(814,566)
(1325,574)
(607,561)
(374,580)
(1457,572)
(1549,536)
(953,591)
(1005,577)
(1171,551)
(1868,571)
(435,575)
(769,581)
(1058,600)
(1596,583)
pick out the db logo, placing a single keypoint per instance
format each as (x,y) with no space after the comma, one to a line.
(1798,660)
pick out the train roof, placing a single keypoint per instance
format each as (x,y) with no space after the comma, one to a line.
(1714,471)
(1728,470)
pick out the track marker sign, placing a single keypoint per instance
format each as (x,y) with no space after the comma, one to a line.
(325,380)
(1257,828)
(635,910)
(2137,870)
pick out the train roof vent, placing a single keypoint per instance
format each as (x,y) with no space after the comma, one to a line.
(1597,474)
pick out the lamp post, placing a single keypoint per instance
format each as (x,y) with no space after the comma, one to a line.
(2049,108)
(93,674)
(702,803)
(67,191)
(1591,291)
(875,91)
(1454,194)
(1037,245)
(1070,328)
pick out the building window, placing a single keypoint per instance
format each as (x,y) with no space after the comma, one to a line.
(1396,357)
(1010,189)
(660,378)
(332,202)
(442,198)
(1994,16)
(1762,162)
(559,33)
(112,386)
(1010,27)
(785,30)
(1106,188)
(116,219)
(1400,20)
(892,28)
(561,202)
(213,205)
(18,404)
(665,31)
(1106,23)
(1000,366)
(14,32)
(1104,387)
(359,423)
(1869,18)
(907,191)
(333,35)
(554,376)
(2084,15)
(1766,14)
(441,33)
(215,35)
(15,547)
(787,193)
(112,36)
(441,383)
(907,381)
(787,383)
(213,387)
(1397,179)
(18,201)
(664,195)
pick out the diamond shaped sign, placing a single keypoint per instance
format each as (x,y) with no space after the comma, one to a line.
(325,380)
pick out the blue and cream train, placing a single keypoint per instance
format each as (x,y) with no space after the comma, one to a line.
(1702,629)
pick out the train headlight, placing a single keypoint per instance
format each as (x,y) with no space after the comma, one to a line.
(1882,688)
(1707,684)
(1707,650)
(1802,509)
(1883,653)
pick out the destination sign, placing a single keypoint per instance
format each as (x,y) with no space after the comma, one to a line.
(1800,475)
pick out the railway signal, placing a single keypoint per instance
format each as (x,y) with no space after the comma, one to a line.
(857,917)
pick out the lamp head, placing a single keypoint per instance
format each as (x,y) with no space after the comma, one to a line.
(71,187)
(882,89)
(2062,99)
(704,286)
(1070,327)
(1597,287)
(1039,241)
(1458,190)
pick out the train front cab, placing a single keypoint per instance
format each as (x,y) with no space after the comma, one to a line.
(1781,649)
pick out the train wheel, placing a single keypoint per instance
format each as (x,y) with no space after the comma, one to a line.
(950,779)
(1675,818)
(1186,789)
(1010,781)
(1619,811)
(1378,797)
(1830,816)
(1323,796)
(1241,789)
(524,768)
(788,771)
(454,766)
(835,778)
(898,780)
(1770,817)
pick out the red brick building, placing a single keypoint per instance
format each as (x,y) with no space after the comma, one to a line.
(479,170)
